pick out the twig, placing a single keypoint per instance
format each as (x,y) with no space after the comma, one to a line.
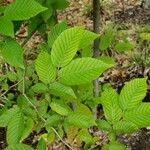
(10,88)
(23,81)
(43,119)
(61,139)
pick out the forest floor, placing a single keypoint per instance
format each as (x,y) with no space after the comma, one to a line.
(79,13)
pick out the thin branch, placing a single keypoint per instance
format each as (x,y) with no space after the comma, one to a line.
(96,26)
(61,139)
(23,81)
(96,51)
(10,88)
(43,119)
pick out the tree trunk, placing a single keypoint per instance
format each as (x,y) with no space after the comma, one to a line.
(96,52)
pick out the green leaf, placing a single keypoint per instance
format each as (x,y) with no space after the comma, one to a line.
(82,71)
(66,46)
(103,125)
(19,147)
(15,129)
(12,53)
(48,13)
(55,32)
(60,108)
(80,120)
(61,131)
(84,109)
(42,107)
(87,52)
(2,8)
(41,144)
(133,93)
(87,39)
(30,112)
(42,29)
(125,127)
(107,38)
(145,36)
(107,60)
(23,10)
(50,136)
(17,25)
(51,22)
(44,47)
(124,46)
(6,116)
(60,4)
(22,102)
(105,147)
(12,76)
(85,136)
(29,124)
(139,116)
(117,146)
(34,23)
(44,68)
(39,88)
(54,120)
(61,90)
(85,91)
(110,104)
(9,31)
(112,136)
(26,107)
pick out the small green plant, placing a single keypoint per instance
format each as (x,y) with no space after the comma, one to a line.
(54,92)
(124,113)
(59,75)
(50,102)
(114,39)
(141,54)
